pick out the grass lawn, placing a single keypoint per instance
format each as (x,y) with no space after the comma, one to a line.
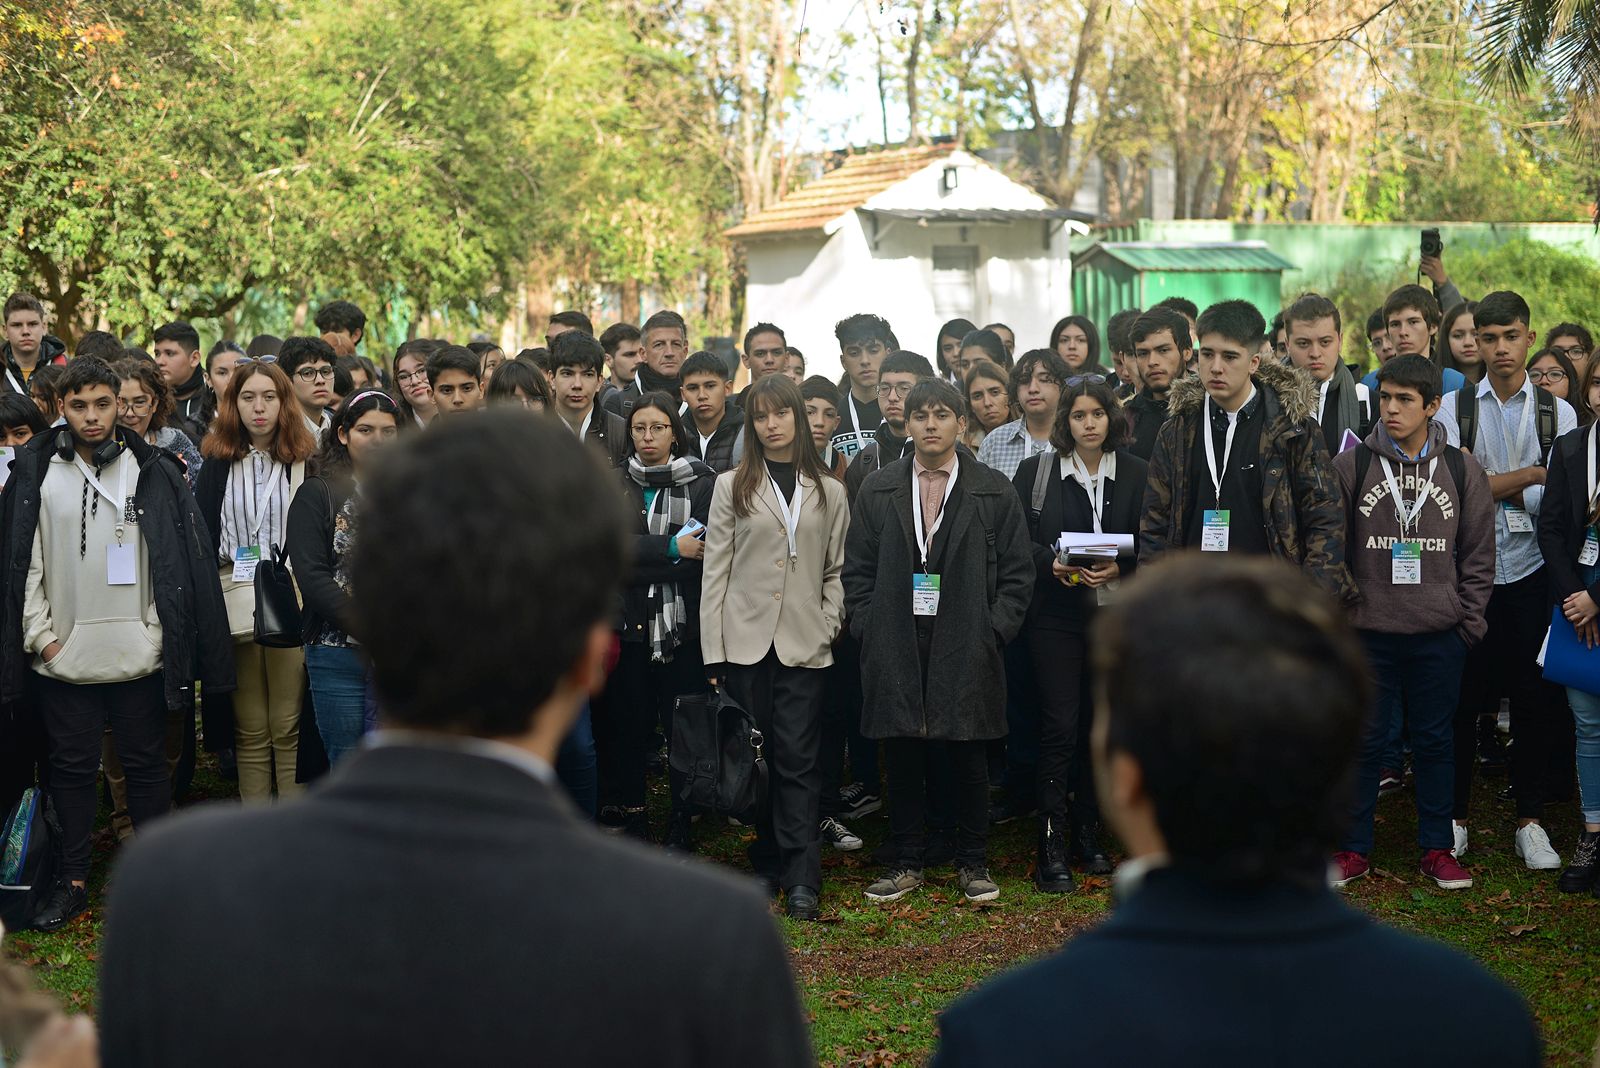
(875,978)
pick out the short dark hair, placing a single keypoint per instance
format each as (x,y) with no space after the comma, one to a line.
(665,403)
(906,362)
(576,349)
(297,351)
(21,301)
(1236,320)
(1413,296)
(1376,324)
(763,328)
(864,326)
(539,357)
(514,375)
(1182,305)
(18,409)
(616,334)
(1275,326)
(575,319)
(993,346)
(1575,330)
(1158,319)
(956,328)
(663,319)
(480,347)
(449,496)
(1103,393)
(46,380)
(1029,362)
(100,345)
(933,392)
(222,346)
(1119,327)
(344,374)
(819,388)
(1251,773)
(341,316)
(704,362)
(1413,372)
(1309,307)
(187,337)
(1502,308)
(454,358)
(86,372)
(263,345)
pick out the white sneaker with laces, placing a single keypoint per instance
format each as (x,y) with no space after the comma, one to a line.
(1459,850)
(1533,846)
(839,836)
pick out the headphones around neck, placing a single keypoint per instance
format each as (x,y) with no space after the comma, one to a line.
(110,449)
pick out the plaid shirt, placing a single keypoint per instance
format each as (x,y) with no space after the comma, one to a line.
(1007,446)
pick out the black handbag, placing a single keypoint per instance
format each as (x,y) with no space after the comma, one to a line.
(278,622)
(716,747)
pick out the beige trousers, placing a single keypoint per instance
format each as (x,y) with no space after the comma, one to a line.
(266,716)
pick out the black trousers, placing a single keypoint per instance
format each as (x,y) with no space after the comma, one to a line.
(841,728)
(75,718)
(787,705)
(1505,662)
(914,767)
(639,695)
(23,760)
(1061,671)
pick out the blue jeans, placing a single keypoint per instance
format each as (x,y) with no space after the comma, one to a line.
(1586,721)
(1422,674)
(575,765)
(338,697)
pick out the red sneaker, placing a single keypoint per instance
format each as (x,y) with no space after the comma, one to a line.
(1446,870)
(1348,866)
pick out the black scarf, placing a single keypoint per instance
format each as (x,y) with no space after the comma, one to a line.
(651,381)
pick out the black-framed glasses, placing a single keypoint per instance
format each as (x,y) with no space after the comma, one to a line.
(897,390)
(1078,380)
(1554,374)
(311,374)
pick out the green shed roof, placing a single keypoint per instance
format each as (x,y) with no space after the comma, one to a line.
(1186,256)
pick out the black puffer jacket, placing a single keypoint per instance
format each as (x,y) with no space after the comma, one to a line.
(51,350)
(195,639)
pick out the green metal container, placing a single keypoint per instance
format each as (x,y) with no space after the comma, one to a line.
(1109,276)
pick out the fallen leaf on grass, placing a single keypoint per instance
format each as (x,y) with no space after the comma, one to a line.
(1521,929)
(1502,898)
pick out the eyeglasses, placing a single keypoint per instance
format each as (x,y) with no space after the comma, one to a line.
(653,430)
(1555,374)
(1571,352)
(899,391)
(140,404)
(1078,380)
(406,376)
(311,374)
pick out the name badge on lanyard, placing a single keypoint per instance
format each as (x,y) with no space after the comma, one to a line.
(121,558)
(1405,566)
(1405,558)
(925,586)
(1214,527)
(247,557)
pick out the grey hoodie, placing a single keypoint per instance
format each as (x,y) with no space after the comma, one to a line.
(1455,527)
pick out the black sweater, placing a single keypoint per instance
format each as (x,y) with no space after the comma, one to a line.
(311,522)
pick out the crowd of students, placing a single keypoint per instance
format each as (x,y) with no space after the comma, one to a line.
(897,574)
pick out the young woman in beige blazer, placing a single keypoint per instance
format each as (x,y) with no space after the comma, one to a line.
(771,605)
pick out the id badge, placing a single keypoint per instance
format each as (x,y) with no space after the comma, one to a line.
(1591,549)
(120,565)
(245,559)
(1405,563)
(1518,521)
(1214,531)
(924,595)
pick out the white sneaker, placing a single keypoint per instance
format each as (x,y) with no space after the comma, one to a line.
(1459,850)
(1533,846)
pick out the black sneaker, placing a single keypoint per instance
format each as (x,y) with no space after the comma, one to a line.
(680,833)
(976,884)
(636,824)
(858,801)
(65,903)
(1007,809)
(1584,868)
(612,818)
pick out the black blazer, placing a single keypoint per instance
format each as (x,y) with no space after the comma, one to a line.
(1058,607)
(423,907)
(1564,514)
(1189,973)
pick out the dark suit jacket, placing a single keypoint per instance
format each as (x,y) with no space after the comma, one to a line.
(1564,514)
(1189,973)
(430,907)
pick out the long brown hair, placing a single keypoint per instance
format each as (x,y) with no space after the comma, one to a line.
(774,393)
(229,440)
(148,375)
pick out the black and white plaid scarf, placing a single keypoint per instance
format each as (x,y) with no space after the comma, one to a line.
(666,515)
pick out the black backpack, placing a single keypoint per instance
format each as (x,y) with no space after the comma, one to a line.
(716,747)
(27,859)
(1544,419)
(1453,462)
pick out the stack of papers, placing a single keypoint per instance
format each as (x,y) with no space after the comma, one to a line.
(1103,546)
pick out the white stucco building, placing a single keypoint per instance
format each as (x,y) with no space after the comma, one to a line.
(918,235)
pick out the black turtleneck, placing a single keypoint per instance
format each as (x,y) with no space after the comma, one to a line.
(783,475)
(195,384)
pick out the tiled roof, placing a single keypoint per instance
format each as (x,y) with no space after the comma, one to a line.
(858,179)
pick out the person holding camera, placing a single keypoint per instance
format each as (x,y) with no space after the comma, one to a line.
(1093,482)
(114,606)
(1432,265)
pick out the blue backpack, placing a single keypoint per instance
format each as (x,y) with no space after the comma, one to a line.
(27,860)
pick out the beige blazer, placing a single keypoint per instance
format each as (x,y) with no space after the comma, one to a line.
(752,598)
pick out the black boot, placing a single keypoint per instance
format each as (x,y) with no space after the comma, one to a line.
(1580,875)
(680,833)
(1086,849)
(1053,875)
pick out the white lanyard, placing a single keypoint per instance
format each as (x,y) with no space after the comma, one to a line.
(791,513)
(1322,400)
(583,428)
(863,437)
(1514,445)
(1094,485)
(262,510)
(925,541)
(1594,487)
(1227,449)
(1408,516)
(118,502)
(15,385)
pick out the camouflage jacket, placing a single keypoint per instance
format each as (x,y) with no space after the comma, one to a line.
(1300,494)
